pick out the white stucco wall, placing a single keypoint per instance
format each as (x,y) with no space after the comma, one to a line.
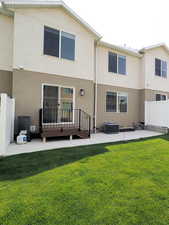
(133,68)
(6,42)
(28,43)
(151,81)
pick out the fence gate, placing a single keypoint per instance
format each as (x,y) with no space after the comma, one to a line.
(7,114)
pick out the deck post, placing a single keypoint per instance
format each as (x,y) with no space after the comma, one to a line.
(79,119)
(71,137)
(44,139)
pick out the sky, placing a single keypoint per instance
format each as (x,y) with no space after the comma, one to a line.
(134,23)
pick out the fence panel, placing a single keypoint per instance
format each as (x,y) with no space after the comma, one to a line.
(157,113)
(7,114)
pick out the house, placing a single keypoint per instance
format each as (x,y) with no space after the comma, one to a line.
(51,58)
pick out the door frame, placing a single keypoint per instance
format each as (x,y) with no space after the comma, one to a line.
(59,87)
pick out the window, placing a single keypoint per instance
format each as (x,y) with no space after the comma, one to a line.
(111,102)
(58,43)
(160,97)
(116,102)
(160,68)
(51,42)
(117,63)
(67,46)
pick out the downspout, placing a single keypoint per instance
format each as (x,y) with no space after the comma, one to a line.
(95,86)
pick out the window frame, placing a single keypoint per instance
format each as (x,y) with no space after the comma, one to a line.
(118,93)
(160,97)
(118,55)
(59,97)
(60,43)
(161,68)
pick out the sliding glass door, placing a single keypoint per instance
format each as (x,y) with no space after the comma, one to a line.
(58,104)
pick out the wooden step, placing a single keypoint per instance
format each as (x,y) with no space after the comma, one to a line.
(61,132)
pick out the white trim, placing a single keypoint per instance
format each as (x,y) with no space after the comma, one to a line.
(154,46)
(60,43)
(119,48)
(161,61)
(59,87)
(118,55)
(119,93)
(51,4)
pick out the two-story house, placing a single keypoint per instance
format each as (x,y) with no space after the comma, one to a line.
(51,58)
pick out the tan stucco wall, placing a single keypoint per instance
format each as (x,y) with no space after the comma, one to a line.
(6,82)
(27,91)
(151,81)
(6,42)
(29,38)
(133,68)
(123,119)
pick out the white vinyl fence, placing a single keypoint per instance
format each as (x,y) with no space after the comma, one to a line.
(157,113)
(7,114)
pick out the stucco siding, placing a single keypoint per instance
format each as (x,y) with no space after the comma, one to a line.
(151,81)
(6,42)
(133,68)
(29,39)
(6,82)
(27,91)
(123,119)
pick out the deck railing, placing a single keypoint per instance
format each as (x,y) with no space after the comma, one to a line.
(64,119)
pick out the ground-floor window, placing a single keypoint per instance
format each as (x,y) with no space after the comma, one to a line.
(160,97)
(58,104)
(116,102)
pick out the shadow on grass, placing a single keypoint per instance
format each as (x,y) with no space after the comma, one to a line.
(24,165)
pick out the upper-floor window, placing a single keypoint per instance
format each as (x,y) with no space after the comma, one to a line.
(160,68)
(58,43)
(116,102)
(117,63)
(160,97)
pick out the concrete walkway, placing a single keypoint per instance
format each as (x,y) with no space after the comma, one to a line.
(38,145)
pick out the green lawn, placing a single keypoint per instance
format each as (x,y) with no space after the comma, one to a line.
(106,184)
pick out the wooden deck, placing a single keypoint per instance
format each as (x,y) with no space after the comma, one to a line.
(49,126)
(61,132)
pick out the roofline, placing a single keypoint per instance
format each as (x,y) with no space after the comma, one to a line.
(119,48)
(50,4)
(154,46)
(4,10)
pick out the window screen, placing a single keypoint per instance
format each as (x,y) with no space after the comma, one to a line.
(112,62)
(121,64)
(51,42)
(67,46)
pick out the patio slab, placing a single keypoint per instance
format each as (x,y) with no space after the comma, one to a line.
(38,145)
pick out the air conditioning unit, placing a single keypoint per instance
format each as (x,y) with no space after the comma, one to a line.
(110,128)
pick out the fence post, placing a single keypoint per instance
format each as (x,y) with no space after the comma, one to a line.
(3,109)
(79,119)
(7,110)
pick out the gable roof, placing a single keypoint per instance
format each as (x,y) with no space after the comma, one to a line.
(153,47)
(129,51)
(6,5)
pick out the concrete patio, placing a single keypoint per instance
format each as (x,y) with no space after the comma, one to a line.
(38,145)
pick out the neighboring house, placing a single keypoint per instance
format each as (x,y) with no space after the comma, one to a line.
(50,57)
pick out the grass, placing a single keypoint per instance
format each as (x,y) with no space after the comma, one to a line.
(106,184)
